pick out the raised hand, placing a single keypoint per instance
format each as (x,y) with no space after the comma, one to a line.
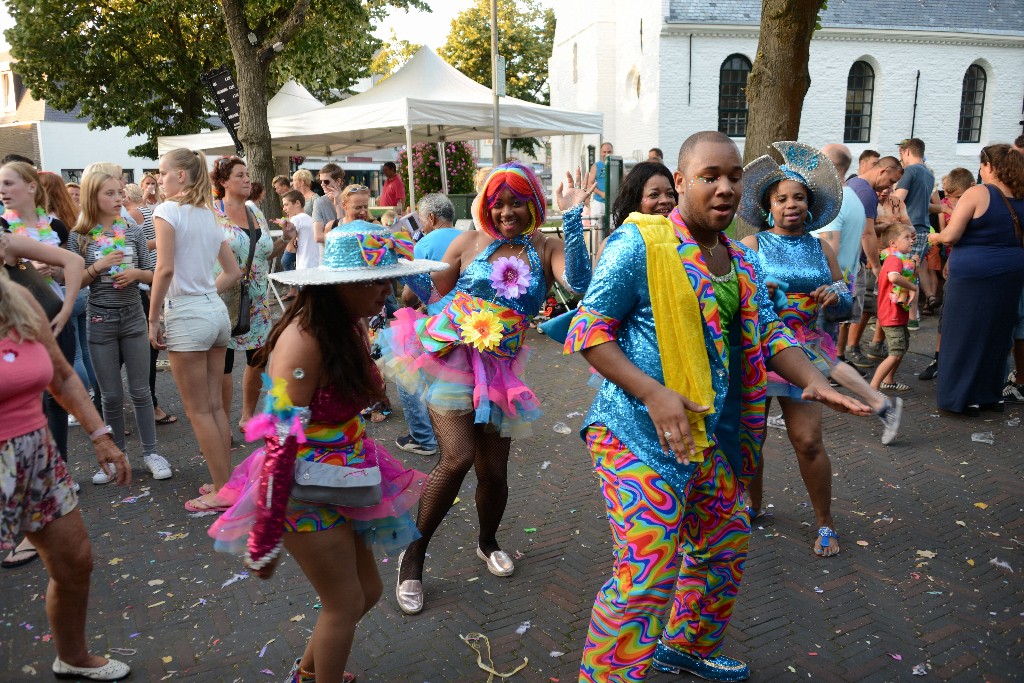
(567,198)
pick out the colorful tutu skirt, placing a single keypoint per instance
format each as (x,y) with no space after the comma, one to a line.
(387,525)
(430,358)
(810,329)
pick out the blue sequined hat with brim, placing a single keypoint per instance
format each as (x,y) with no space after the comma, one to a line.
(804,164)
(361,252)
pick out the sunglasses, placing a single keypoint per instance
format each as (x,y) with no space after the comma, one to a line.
(355,189)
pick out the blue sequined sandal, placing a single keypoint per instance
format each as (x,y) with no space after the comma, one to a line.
(720,668)
(826,535)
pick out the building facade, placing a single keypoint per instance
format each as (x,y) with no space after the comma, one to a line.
(950,73)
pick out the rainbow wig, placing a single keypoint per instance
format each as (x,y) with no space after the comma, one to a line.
(522,182)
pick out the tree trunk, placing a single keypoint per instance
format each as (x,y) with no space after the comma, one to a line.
(252,54)
(779,77)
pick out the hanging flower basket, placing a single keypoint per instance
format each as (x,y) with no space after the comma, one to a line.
(426,168)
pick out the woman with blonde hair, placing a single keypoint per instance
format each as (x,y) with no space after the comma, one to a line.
(195,328)
(117,260)
(36,494)
(150,191)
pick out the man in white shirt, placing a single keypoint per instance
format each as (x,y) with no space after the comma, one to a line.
(307,254)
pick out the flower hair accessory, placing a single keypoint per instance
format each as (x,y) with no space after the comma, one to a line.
(510,277)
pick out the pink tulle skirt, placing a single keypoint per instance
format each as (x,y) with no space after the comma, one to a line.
(459,378)
(387,525)
(821,351)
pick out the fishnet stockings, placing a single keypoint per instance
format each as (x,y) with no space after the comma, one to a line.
(463,444)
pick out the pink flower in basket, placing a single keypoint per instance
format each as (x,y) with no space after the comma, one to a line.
(510,277)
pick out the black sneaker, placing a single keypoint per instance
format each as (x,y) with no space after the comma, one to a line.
(931,371)
(1013,393)
(409,444)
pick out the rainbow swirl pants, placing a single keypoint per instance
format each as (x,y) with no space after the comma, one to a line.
(651,530)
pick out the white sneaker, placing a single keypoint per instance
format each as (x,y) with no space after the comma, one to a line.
(104,477)
(891,421)
(158,466)
(776,421)
(72,420)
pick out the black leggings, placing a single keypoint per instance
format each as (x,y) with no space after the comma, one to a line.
(463,445)
(229,359)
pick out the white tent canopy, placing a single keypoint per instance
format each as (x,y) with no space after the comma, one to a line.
(427,100)
(290,100)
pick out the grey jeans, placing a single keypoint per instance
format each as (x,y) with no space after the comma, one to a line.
(121,335)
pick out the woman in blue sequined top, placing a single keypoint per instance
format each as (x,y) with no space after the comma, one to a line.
(804,277)
(466,362)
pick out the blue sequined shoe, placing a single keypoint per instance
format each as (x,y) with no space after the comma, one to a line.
(720,668)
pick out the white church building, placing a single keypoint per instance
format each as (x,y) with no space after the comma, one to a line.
(950,72)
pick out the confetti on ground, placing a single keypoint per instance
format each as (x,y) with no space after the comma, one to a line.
(523,628)
(267,672)
(574,413)
(862,543)
(263,650)
(298,617)
(29,670)
(135,499)
(116,560)
(898,658)
(157,604)
(546,464)
(472,579)
(981,505)
(818,590)
(927,554)
(234,579)
(556,653)
(123,651)
(960,523)
(970,562)
(167,660)
(204,513)
(919,670)
(176,537)
(1000,563)
(530,530)
(156,582)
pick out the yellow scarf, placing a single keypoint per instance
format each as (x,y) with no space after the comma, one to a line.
(677,322)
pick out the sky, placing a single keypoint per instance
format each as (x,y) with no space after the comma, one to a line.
(428,28)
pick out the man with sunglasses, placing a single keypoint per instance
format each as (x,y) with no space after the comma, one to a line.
(328,207)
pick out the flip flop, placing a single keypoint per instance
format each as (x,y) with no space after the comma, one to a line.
(167,419)
(199,505)
(17,558)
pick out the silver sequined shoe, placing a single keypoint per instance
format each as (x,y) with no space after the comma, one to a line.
(409,594)
(498,562)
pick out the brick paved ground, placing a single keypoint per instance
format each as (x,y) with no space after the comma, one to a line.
(933,511)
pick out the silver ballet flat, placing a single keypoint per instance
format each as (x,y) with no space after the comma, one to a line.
(409,594)
(498,562)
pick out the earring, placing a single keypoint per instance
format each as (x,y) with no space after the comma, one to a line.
(771,221)
(810,217)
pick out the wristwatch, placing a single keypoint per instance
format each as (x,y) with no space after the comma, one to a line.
(102,431)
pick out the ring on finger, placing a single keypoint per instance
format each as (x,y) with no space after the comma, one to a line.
(668,434)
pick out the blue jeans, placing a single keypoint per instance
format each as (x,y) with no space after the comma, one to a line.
(83,362)
(288,260)
(418,419)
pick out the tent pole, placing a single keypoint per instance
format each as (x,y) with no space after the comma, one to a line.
(442,147)
(408,159)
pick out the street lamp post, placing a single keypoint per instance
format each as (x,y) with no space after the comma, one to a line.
(496,153)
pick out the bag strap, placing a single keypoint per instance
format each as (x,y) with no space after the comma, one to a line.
(1013,215)
(252,245)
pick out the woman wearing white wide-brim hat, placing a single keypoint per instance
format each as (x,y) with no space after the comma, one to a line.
(320,375)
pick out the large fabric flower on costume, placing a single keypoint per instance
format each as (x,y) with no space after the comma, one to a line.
(510,277)
(481,329)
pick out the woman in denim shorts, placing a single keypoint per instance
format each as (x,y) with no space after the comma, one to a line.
(195,329)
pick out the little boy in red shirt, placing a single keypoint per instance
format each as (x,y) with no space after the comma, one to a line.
(899,239)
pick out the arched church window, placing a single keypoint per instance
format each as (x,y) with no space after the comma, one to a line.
(732,96)
(860,92)
(972,104)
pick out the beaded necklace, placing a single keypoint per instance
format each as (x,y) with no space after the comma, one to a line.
(108,243)
(43,232)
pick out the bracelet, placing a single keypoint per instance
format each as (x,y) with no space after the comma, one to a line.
(102,431)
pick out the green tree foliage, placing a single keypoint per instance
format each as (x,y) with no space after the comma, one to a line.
(526,34)
(136,63)
(392,56)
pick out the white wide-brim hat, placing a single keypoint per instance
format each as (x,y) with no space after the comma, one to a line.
(361,252)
